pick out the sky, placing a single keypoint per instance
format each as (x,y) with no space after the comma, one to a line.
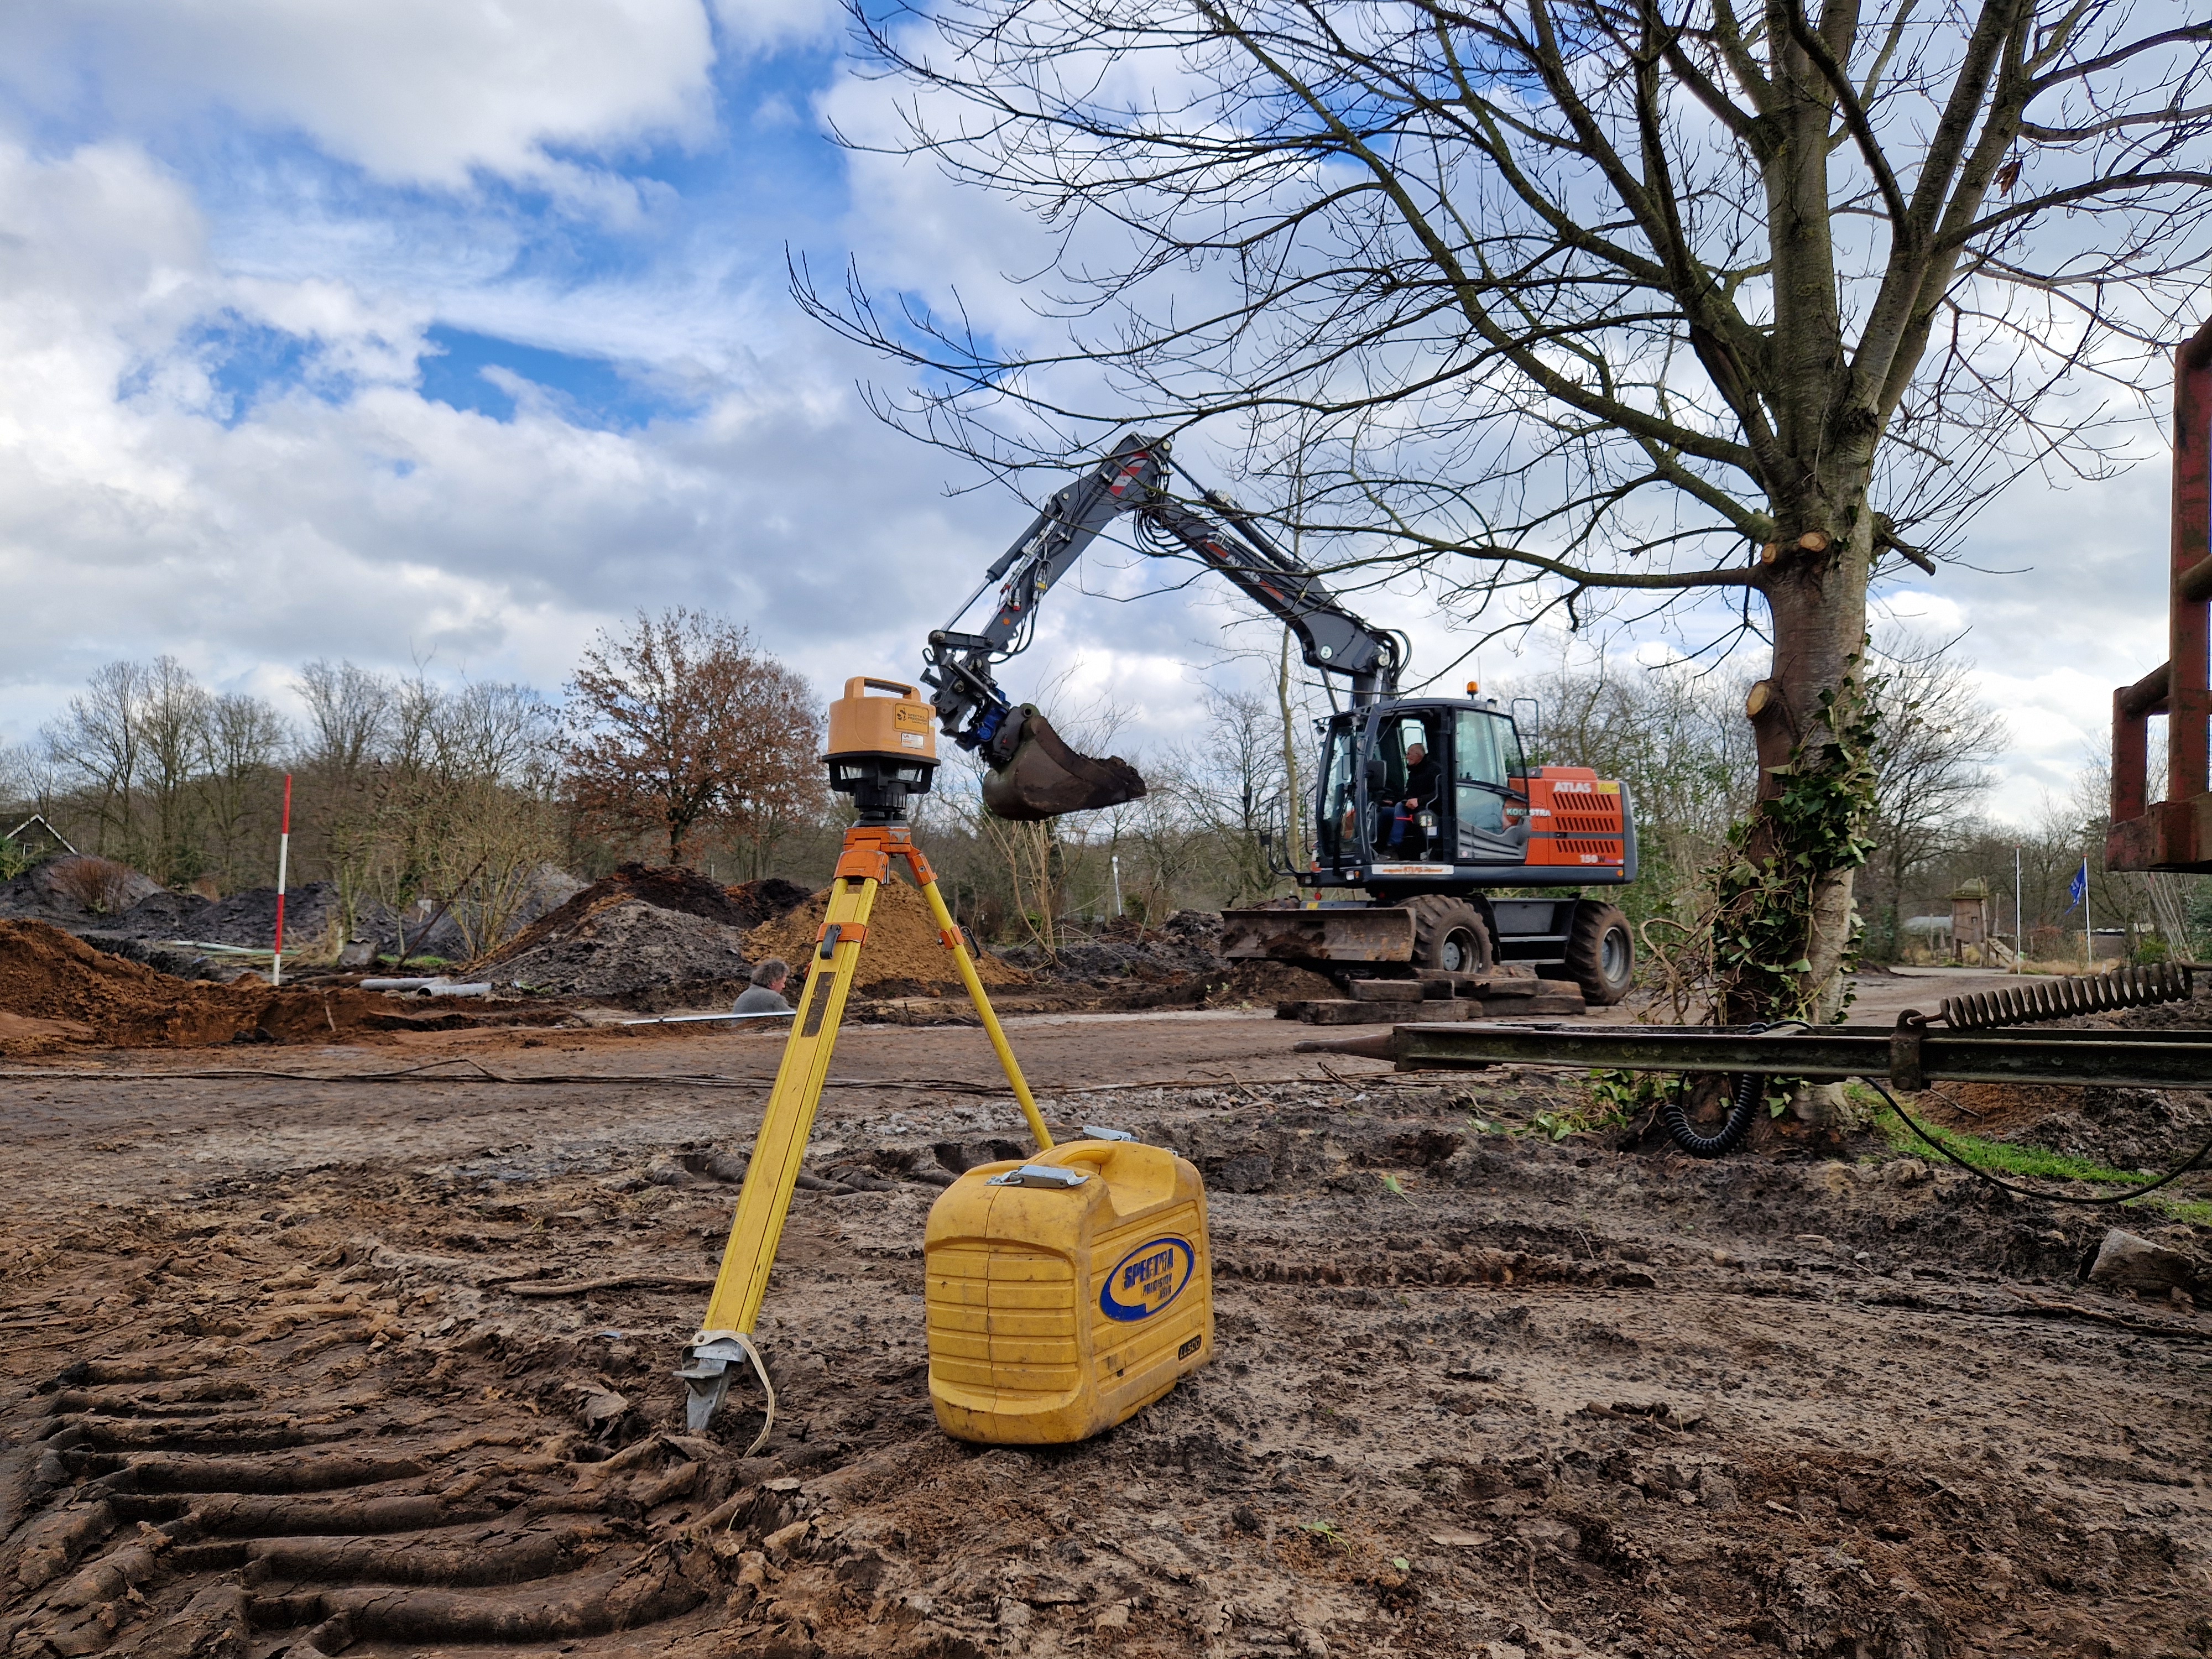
(446,332)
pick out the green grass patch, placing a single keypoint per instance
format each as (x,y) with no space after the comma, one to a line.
(1999,1157)
(2006,1157)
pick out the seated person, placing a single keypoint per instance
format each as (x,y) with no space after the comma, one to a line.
(765,994)
(1423,788)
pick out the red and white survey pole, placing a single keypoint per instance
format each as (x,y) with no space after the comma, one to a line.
(283,864)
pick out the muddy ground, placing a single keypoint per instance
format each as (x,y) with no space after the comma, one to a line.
(293,1364)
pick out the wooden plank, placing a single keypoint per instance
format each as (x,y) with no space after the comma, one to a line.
(1385,990)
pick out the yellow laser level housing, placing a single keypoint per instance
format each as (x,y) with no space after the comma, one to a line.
(900,726)
(1068,1293)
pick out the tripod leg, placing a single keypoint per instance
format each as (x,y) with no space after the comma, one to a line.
(765,1199)
(950,932)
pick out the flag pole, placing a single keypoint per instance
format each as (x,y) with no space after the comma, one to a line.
(2088,930)
(2019,938)
(284,863)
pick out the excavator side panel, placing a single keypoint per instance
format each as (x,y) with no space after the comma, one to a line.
(1576,820)
(1383,933)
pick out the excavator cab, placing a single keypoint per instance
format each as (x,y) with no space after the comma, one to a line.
(1432,783)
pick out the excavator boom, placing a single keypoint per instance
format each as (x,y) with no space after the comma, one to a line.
(1034,773)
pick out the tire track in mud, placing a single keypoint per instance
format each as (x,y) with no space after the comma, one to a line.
(1533,1397)
(304,1457)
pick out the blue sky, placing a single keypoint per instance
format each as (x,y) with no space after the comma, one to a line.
(447,332)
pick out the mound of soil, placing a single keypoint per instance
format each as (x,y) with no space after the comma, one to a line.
(2124,1128)
(1123,953)
(903,951)
(56,991)
(766,899)
(312,912)
(165,914)
(1260,982)
(76,886)
(622,947)
(664,888)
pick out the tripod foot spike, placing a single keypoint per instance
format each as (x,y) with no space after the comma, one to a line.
(707,1380)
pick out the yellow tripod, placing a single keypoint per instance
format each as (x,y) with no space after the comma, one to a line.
(724,1335)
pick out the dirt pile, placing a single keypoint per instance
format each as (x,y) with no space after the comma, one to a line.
(1123,953)
(764,901)
(650,938)
(684,891)
(56,991)
(76,888)
(902,955)
(626,948)
(2121,1129)
(2145,1129)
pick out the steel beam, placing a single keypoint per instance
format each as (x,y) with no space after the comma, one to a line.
(2147,1059)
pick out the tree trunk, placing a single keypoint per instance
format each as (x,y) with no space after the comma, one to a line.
(1294,824)
(1816,586)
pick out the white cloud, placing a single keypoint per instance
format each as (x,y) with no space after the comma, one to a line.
(414,91)
(765,25)
(349,516)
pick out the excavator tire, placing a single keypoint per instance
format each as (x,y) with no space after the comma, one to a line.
(1600,953)
(1450,933)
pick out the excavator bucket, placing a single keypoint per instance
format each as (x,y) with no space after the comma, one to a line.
(1044,778)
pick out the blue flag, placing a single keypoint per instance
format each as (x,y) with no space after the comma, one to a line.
(2080,888)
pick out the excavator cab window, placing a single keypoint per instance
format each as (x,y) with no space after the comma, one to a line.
(1337,837)
(1488,775)
(1408,807)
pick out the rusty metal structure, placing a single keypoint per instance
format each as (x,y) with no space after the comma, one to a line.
(2176,833)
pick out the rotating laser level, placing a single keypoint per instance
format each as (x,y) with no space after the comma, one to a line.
(987,1317)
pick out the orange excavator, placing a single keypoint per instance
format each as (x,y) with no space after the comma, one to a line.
(1466,853)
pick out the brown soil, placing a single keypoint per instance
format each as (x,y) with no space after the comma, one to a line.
(321,1367)
(57,993)
(665,888)
(765,900)
(901,949)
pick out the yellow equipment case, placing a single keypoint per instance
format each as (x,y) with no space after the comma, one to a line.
(1068,1293)
(900,726)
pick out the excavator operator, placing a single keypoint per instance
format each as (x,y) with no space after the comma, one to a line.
(1423,787)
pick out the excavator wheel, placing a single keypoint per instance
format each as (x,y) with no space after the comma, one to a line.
(1600,953)
(1450,934)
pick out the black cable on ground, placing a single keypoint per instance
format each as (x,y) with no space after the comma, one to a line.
(1742,1108)
(2174,1174)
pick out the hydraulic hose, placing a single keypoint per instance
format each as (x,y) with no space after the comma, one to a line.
(1743,1105)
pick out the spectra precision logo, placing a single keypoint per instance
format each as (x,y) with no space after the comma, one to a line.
(1146,1279)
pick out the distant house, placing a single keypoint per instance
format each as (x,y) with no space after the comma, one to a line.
(39,838)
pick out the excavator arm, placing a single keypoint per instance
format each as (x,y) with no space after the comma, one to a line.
(1033,772)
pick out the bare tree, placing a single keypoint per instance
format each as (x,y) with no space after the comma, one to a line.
(101,742)
(680,721)
(244,736)
(1583,304)
(173,715)
(349,711)
(1675,735)
(1931,761)
(1231,782)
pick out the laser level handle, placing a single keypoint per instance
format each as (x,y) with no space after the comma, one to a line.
(853,687)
